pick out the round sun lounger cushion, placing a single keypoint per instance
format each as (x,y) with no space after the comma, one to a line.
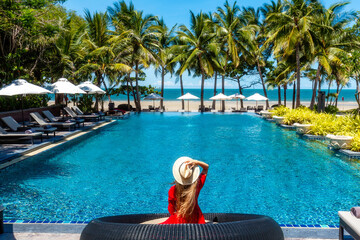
(229,226)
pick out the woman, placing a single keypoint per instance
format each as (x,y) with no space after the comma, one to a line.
(183,196)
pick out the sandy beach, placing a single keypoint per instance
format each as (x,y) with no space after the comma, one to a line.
(172,106)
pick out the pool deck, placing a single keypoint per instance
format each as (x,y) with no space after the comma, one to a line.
(72,232)
(11,153)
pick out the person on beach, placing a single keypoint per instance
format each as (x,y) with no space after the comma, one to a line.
(183,196)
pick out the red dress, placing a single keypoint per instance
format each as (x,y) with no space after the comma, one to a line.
(197,216)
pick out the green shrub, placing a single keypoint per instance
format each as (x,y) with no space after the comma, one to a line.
(331,109)
(280,111)
(85,103)
(301,115)
(355,144)
(29,101)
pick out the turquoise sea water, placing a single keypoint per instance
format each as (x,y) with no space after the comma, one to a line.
(255,167)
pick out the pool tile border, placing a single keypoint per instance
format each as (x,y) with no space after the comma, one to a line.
(45,221)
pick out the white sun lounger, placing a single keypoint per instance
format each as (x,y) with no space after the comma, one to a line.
(4,135)
(53,119)
(350,223)
(16,127)
(74,115)
(41,121)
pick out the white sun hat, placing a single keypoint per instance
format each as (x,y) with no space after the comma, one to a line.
(183,174)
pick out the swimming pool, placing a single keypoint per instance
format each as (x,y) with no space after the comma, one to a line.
(255,167)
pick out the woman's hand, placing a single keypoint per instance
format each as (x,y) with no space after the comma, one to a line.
(192,163)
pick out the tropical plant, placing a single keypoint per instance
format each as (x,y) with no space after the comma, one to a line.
(199,49)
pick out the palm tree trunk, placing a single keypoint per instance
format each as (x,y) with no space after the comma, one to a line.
(357,93)
(327,101)
(223,92)
(298,74)
(215,83)
(294,93)
(285,89)
(202,91)
(263,83)
(312,103)
(240,91)
(138,106)
(128,92)
(132,90)
(162,86)
(182,92)
(279,95)
(337,92)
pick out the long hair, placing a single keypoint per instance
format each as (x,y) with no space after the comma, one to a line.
(185,200)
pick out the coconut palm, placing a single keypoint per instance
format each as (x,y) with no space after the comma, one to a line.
(227,26)
(165,54)
(291,31)
(199,49)
(331,41)
(137,31)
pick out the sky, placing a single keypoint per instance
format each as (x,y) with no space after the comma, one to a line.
(177,12)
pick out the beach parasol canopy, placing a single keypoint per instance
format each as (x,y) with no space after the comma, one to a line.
(188,96)
(220,96)
(153,96)
(237,96)
(257,97)
(22,87)
(65,87)
(90,88)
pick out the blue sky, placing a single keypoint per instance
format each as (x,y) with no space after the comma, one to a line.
(177,12)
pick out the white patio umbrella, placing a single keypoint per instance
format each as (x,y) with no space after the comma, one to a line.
(153,96)
(221,97)
(188,96)
(22,87)
(237,96)
(63,86)
(257,97)
(90,88)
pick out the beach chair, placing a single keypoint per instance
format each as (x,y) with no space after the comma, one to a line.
(78,111)
(54,119)
(4,135)
(85,117)
(16,127)
(41,121)
(151,107)
(243,110)
(350,223)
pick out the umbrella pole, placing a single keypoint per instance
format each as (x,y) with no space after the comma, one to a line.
(22,109)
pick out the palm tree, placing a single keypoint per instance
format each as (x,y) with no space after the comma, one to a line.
(200,49)
(137,31)
(100,55)
(292,31)
(254,32)
(228,24)
(164,53)
(331,40)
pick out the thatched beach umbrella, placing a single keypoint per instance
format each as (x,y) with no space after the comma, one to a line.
(22,87)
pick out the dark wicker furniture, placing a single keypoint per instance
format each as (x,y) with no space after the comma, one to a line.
(228,226)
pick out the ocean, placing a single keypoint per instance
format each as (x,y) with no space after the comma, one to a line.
(305,94)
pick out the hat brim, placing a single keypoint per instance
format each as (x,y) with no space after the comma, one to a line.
(176,172)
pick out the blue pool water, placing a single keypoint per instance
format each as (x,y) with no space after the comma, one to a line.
(255,167)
